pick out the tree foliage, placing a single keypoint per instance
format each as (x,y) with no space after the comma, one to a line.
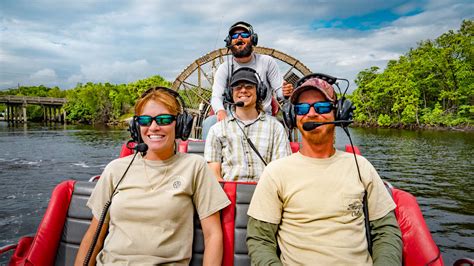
(429,85)
(92,103)
(104,103)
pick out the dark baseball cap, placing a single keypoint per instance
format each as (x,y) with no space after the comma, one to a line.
(240,25)
(243,75)
(315,84)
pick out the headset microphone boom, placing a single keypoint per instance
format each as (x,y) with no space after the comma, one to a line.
(237,104)
(308,126)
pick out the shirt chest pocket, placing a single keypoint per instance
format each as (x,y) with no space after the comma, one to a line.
(352,203)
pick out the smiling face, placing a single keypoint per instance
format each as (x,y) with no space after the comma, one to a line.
(160,139)
(245,92)
(242,47)
(319,135)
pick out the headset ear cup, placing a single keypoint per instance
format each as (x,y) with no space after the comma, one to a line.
(345,110)
(178,129)
(337,113)
(262,88)
(134,129)
(254,38)
(289,118)
(292,115)
(227,41)
(228,94)
(184,124)
(262,91)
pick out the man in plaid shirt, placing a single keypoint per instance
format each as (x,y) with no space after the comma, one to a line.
(228,149)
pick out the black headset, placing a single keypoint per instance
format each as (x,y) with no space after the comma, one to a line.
(253,35)
(343,109)
(261,88)
(184,121)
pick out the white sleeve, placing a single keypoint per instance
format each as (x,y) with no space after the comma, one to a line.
(218,88)
(275,79)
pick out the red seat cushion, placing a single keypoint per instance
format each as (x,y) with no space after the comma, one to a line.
(419,247)
(41,250)
(127,149)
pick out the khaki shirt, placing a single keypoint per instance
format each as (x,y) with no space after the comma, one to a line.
(151,215)
(317,204)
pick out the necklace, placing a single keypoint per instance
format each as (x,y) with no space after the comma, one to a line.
(159,178)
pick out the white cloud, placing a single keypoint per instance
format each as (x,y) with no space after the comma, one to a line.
(114,72)
(44,74)
(127,40)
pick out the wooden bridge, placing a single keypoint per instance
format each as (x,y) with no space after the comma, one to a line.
(16,108)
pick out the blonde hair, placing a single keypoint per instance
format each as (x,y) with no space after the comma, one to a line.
(160,95)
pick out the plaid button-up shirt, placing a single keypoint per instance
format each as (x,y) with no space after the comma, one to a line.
(226,144)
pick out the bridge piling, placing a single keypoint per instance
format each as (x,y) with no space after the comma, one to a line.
(24,113)
(16,111)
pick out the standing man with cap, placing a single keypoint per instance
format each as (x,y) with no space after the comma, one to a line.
(241,40)
(309,205)
(239,146)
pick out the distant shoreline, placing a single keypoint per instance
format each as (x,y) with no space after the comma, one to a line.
(415,127)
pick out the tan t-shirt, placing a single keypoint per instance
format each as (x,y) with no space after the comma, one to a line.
(151,216)
(318,206)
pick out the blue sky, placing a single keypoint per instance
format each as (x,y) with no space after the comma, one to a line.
(61,43)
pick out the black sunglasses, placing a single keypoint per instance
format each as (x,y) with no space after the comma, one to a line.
(319,107)
(161,120)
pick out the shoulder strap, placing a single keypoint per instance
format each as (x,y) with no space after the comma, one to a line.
(249,141)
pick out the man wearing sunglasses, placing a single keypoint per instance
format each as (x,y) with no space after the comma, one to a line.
(307,208)
(238,147)
(240,40)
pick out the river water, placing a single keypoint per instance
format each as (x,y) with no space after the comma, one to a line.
(435,166)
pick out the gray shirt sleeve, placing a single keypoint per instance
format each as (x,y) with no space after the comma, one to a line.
(218,88)
(275,79)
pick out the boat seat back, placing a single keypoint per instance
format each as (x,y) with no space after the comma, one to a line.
(240,195)
(192,146)
(78,219)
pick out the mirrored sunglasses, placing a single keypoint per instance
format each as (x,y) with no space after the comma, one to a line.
(242,34)
(161,120)
(319,107)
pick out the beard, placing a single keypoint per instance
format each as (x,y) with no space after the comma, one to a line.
(245,52)
(325,134)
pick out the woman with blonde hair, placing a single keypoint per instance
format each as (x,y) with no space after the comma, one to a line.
(151,214)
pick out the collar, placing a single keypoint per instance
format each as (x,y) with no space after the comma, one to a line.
(261,116)
(253,58)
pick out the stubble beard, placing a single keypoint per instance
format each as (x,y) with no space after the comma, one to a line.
(326,135)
